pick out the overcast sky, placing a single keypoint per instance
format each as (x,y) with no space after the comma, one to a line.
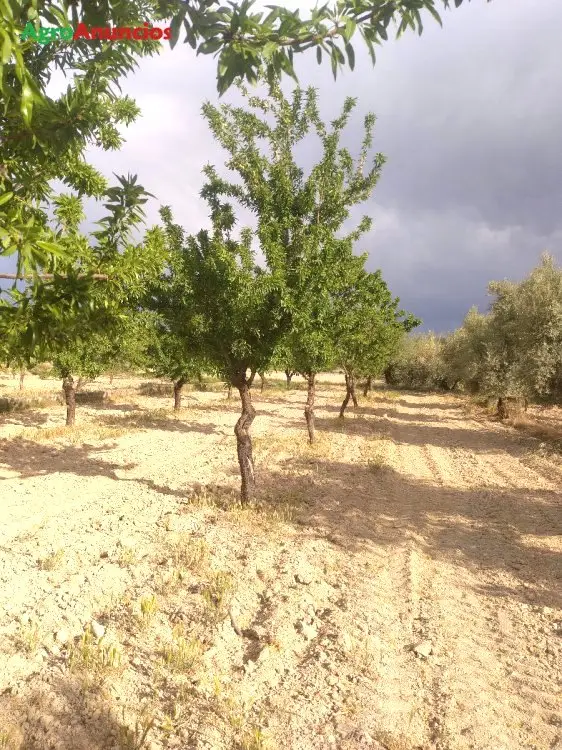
(469,117)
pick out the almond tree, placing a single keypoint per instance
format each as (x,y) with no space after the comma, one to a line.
(368,327)
(45,137)
(77,317)
(232,310)
(169,355)
(300,217)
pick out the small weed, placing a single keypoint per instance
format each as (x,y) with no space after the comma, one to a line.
(172,722)
(10,739)
(52,561)
(140,419)
(391,395)
(28,638)
(156,389)
(363,655)
(172,581)
(76,435)
(376,464)
(148,608)
(137,738)
(182,654)
(190,554)
(13,405)
(93,654)
(127,557)
(250,737)
(217,594)
(254,739)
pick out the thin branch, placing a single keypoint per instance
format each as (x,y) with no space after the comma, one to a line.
(100,276)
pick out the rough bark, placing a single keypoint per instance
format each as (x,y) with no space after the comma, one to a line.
(22,376)
(70,398)
(352,390)
(349,393)
(243,438)
(289,375)
(368,385)
(473,387)
(309,408)
(511,406)
(262,378)
(178,385)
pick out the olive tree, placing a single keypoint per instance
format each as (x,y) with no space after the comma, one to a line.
(523,347)
(418,363)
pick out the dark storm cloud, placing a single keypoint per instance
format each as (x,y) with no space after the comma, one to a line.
(471,115)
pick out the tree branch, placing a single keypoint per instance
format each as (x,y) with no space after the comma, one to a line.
(100,276)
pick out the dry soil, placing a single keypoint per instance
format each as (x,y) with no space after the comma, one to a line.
(398,585)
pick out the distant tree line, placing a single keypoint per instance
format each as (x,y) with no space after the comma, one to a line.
(514,351)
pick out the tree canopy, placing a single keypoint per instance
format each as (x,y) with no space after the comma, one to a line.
(246,42)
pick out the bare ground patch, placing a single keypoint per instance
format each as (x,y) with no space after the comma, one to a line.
(396,585)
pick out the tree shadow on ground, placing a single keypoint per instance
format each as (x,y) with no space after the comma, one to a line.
(75,714)
(409,431)
(25,418)
(145,420)
(431,404)
(31,459)
(109,405)
(485,528)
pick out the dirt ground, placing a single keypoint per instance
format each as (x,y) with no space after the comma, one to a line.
(398,585)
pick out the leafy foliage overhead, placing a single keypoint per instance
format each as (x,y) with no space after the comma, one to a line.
(245,40)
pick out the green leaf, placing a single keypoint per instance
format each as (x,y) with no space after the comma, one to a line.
(334,61)
(175,27)
(210,46)
(50,247)
(5,198)
(26,104)
(349,29)
(269,50)
(319,55)
(6,48)
(350,55)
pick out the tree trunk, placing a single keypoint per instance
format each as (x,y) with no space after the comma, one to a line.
(243,438)
(511,406)
(178,385)
(309,408)
(352,390)
(22,376)
(262,378)
(111,379)
(349,393)
(368,385)
(229,392)
(289,376)
(70,398)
